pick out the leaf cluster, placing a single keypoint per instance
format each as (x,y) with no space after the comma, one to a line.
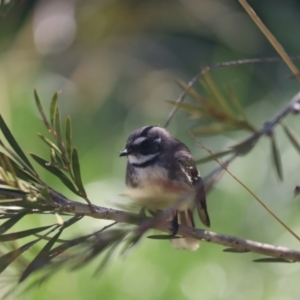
(23,192)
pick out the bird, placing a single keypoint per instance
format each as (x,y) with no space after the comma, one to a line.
(162,173)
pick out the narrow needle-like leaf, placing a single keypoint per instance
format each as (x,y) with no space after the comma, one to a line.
(276,158)
(49,143)
(57,122)
(12,221)
(271,260)
(8,258)
(76,172)
(216,95)
(53,107)
(21,234)
(41,110)
(69,137)
(293,137)
(213,157)
(13,143)
(65,180)
(41,259)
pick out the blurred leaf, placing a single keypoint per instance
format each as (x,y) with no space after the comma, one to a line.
(41,110)
(213,157)
(245,146)
(41,259)
(53,108)
(7,259)
(13,143)
(276,158)
(46,238)
(236,103)
(163,237)
(271,260)
(65,180)
(76,171)
(214,128)
(69,137)
(193,94)
(106,258)
(50,144)
(233,250)
(216,95)
(22,234)
(293,137)
(12,221)
(195,112)
(101,242)
(67,245)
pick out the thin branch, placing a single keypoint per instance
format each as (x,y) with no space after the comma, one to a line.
(68,206)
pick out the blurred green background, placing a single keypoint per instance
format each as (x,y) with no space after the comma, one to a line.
(116,64)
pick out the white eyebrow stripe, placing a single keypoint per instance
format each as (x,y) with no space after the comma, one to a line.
(141,159)
(158,140)
(139,140)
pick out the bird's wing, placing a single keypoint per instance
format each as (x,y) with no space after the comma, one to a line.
(193,177)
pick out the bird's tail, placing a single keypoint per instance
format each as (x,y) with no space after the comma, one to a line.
(186,243)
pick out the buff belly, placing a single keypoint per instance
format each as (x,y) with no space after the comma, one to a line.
(158,197)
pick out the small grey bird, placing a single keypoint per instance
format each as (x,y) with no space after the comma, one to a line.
(160,172)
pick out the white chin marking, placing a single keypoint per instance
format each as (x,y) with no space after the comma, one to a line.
(141,158)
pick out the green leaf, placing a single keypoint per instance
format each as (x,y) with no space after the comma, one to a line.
(64,179)
(50,144)
(233,250)
(13,143)
(276,158)
(12,221)
(41,110)
(163,237)
(57,122)
(213,157)
(7,259)
(293,137)
(22,234)
(41,259)
(56,160)
(271,260)
(53,108)
(76,172)
(69,137)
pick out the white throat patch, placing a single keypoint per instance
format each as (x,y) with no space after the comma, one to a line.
(141,159)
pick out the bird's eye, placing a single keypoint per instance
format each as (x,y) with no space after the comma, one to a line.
(145,144)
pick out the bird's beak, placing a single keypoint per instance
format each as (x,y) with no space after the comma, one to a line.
(125,152)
